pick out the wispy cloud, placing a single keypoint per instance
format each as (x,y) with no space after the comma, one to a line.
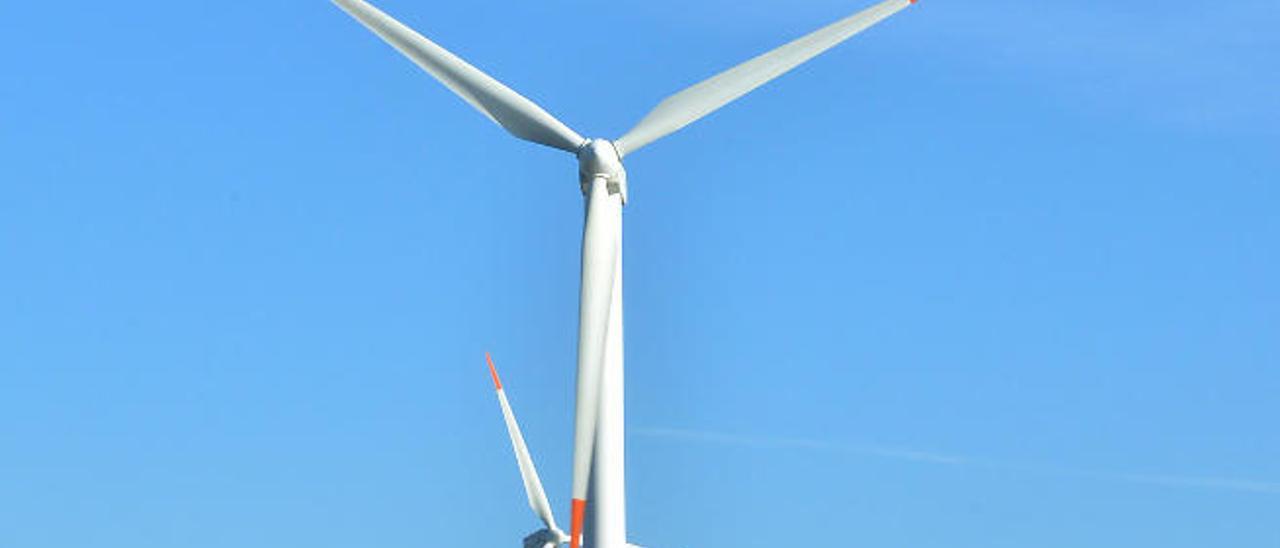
(1205,483)
(783,443)
(947,459)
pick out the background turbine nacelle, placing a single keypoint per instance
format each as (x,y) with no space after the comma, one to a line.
(545,538)
(599,158)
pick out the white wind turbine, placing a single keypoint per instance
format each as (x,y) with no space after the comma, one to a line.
(598,498)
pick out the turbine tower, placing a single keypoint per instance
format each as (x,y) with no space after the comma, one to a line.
(598,509)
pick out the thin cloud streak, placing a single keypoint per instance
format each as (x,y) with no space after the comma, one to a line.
(944,459)
(785,443)
(1252,486)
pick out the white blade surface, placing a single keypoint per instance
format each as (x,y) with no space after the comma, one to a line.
(600,248)
(683,108)
(518,115)
(528,473)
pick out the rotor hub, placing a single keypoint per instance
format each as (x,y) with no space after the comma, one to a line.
(599,158)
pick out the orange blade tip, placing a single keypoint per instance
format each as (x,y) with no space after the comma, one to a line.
(497,383)
(578,512)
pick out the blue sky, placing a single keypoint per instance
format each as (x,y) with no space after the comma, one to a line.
(990,275)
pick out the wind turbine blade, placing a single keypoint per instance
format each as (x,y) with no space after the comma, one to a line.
(600,248)
(532,484)
(519,116)
(694,102)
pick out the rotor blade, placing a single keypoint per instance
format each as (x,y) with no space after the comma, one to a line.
(518,115)
(528,473)
(685,107)
(600,247)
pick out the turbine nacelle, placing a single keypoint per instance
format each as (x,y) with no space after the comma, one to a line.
(599,158)
(545,538)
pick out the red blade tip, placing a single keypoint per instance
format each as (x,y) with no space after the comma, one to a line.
(578,511)
(497,383)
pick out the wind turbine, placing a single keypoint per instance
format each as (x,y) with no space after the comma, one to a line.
(598,509)
(551,535)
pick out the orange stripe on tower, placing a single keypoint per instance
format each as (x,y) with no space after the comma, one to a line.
(497,384)
(575,534)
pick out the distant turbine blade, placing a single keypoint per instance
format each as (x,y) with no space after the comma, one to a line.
(532,484)
(701,99)
(518,115)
